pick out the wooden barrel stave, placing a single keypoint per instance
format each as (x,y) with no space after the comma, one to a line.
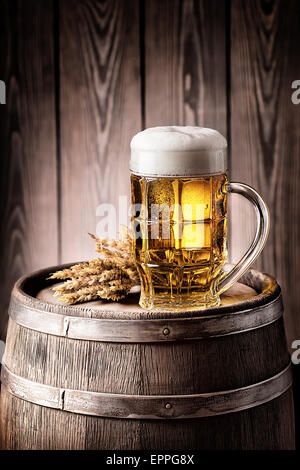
(185,367)
(47,428)
(179,367)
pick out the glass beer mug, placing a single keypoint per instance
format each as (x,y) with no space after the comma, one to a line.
(179,192)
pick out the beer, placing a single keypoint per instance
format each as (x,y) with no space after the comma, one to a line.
(179,190)
(179,256)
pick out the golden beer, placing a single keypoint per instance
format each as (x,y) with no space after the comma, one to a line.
(179,256)
(179,193)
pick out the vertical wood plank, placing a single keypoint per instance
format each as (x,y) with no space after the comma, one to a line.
(265,135)
(185,63)
(100,112)
(28,234)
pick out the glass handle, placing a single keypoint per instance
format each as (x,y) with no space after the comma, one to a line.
(259,241)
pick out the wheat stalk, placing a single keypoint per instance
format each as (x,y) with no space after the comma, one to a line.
(110,276)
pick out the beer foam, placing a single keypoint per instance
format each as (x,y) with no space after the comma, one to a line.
(178,138)
(178,151)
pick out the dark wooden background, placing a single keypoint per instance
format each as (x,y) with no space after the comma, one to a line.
(83,76)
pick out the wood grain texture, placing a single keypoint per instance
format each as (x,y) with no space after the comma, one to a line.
(180,367)
(185,63)
(144,407)
(99,112)
(235,293)
(265,138)
(28,234)
(108,321)
(132,435)
(183,49)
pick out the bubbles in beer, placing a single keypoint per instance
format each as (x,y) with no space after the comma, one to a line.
(182,246)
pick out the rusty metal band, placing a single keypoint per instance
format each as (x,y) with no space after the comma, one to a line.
(145,331)
(147,406)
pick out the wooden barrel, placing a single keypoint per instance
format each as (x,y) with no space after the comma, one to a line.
(103,375)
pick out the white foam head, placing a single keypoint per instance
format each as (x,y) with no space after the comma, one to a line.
(178,151)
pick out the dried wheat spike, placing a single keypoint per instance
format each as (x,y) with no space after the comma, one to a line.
(110,276)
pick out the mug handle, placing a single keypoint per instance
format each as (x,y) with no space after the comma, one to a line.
(259,241)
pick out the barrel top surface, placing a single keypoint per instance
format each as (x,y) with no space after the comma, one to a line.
(237,293)
(254,290)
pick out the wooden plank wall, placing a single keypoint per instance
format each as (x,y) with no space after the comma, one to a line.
(28,205)
(83,76)
(185,52)
(265,137)
(100,110)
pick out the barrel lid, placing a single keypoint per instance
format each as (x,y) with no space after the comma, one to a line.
(134,324)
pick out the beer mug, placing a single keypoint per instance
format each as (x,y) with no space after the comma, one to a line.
(179,189)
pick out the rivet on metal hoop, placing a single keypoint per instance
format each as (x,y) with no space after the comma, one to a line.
(166,331)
